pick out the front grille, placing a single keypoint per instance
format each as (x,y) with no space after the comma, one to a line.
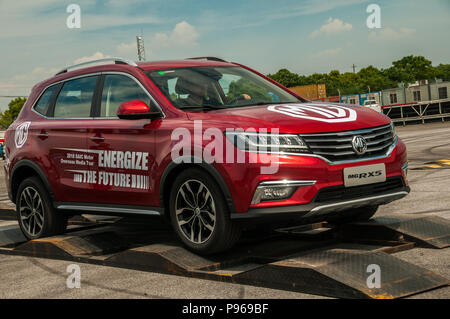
(338,146)
(335,193)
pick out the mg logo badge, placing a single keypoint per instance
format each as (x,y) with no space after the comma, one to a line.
(359,144)
(330,113)
(21,134)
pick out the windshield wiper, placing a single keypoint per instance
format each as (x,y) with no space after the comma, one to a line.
(204,106)
(216,107)
(266,103)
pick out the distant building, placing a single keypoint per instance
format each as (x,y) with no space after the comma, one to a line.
(439,90)
(417,92)
(393,96)
(359,99)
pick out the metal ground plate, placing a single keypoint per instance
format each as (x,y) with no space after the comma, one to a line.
(317,260)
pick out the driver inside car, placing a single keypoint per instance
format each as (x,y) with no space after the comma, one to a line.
(198,93)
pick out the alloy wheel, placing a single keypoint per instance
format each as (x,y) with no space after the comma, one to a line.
(195,211)
(31,211)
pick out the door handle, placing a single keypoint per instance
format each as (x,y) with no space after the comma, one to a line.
(43,135)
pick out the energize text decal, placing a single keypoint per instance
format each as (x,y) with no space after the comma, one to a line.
(331,113)
(137,161)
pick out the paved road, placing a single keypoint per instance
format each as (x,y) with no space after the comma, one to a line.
(23,277)
(430,187)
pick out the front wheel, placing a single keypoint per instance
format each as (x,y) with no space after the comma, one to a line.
(35,213)
(199,213)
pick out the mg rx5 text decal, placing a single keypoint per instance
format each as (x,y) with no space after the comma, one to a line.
(316,112)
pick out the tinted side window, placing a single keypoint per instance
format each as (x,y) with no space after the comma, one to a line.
(118,89)
(75,98)
(44,101)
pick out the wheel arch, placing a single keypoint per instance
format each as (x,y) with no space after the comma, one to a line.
(173,169)
(24,169)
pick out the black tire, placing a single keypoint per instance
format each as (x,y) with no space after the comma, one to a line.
(360,214)
(224,234)
(52,222)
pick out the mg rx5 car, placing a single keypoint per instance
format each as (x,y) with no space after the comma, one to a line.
(211,146)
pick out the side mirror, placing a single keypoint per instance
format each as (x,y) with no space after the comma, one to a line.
(135,110)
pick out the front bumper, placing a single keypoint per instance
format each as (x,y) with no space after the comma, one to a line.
(317,209)
(243,180)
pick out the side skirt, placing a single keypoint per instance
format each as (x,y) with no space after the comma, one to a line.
(108,209)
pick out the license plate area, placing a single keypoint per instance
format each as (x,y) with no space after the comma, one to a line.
(363,175)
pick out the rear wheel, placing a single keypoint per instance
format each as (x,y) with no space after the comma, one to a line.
(199,213)
(360,214)
(35,213)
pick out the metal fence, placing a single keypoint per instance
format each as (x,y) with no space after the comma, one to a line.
(418,111)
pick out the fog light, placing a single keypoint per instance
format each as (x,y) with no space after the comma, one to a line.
(277,190)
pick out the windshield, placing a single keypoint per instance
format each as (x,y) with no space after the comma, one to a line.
(217,88)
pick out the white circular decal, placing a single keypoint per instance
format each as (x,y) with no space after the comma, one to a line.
(317,112)
(21,134)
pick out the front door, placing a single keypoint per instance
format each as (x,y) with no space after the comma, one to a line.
(123,149)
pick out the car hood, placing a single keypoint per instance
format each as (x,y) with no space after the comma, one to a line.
(295,117)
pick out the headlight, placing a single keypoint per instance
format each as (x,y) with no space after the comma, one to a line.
(267,142)
(394,133)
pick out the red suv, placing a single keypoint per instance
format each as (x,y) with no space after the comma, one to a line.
(212,146)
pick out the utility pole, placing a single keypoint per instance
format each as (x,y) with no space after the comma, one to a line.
(140,47)
(354,68)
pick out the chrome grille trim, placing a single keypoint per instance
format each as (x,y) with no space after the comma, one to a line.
(337,146)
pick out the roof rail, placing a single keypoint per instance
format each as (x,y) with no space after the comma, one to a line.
(208,58)
(98,62)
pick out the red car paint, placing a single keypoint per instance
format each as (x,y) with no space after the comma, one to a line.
(49,139)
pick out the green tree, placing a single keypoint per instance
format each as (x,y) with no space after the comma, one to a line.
(375,79)
(14,107)
(442,71)
(286,78)
(349,83)
(410,69)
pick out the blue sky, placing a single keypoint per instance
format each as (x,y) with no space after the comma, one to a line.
(305,36)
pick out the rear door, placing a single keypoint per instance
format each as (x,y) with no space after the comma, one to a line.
(65,134)
(123,149)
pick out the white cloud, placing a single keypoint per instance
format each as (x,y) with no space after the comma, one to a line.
(22,18)
(333,26)
(127,49)
(97,55)
(183,35)
(21,84)
(310,7)
(38,74)
(388,34)
(329,52)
